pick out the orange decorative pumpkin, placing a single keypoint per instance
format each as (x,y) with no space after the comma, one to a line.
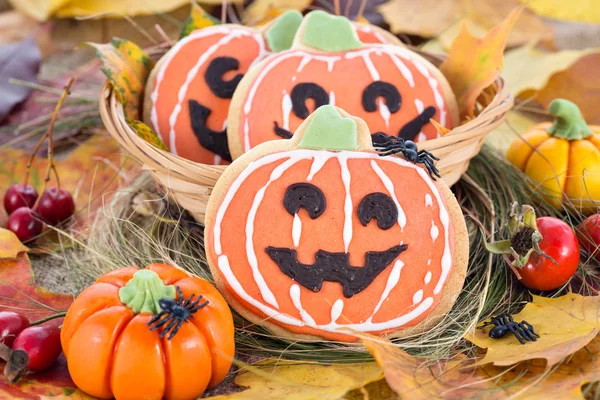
(189,91)
(112,351)
(563,157)
(393,89)
(319,234)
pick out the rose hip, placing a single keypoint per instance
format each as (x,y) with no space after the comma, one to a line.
(11,324)
(56,206)
(19,195)
(42,344)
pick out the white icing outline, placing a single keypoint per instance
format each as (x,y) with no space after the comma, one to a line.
(296,230)
(293,157)
(389,185)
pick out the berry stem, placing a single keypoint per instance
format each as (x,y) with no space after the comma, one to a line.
(48,318)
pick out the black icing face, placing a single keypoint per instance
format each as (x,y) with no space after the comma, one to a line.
(215,141)
(378,89)
(335,267)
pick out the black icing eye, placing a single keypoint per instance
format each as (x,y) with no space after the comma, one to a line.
(214,76)
(377,89)
(307,196)
(379,206)
(304,91)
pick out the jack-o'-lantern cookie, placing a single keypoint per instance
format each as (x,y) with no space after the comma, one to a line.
(190,88)
(319,234)
(393,89)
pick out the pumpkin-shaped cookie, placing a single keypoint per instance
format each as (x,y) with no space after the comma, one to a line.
(318,234)
(393,89)
(189,91)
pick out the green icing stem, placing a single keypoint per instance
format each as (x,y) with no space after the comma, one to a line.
(143,292)
(328,130)
(327,32)
(281,34)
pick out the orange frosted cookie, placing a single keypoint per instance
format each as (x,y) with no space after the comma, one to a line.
(319,234)
(393,89)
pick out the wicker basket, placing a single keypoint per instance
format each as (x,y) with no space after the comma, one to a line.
(190,183)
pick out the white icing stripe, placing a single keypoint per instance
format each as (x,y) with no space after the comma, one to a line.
(316,166)
(389,185)
(445,220)
(193,73)
(297,155)
(296,230)
(433,83)
(295,295)
(332,98)
(258,198)
(286,110)
(419,105)
(347,203)
(418,296)
(434,231)
(366,56)
(428,200)
(428,277)
(403,70)
(392,281)
(336,310)
(384,111)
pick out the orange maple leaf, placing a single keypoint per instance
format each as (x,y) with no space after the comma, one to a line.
(474,63)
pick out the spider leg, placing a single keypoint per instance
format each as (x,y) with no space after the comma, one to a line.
(431,171)
(187,302)
(195,303)
(162,322)
(425,153)
(175,330)
(193,310)
(525,334)
(431,167)
(502,319)
(516,332)
(528,328)
(156,318)
(485,324)
(167,328)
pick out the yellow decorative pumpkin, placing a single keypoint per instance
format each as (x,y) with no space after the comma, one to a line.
(563,157)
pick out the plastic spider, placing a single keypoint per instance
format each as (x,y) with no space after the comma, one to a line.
(504,323)
(175,313)
(387,145)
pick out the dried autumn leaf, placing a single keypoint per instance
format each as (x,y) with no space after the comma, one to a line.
(442,19)
(514,125)
(460,378)
(41,10)
(10,245)
(146,133)
(271,379)
(565,325)
(531,73)
(260,11)
(584,11)
(93,170)
(473,64)
(127,67)
(198,19)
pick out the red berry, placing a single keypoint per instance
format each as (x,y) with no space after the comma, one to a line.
(19,195)
(11,324)
(588,233)
(42,344)
(25,223)
(56,206)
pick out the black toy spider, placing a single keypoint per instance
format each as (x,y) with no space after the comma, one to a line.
(177,312)
(387,145)
(504,323)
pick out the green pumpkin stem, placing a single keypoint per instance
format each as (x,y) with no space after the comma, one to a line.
(326,32)
(328,130)
(280,34)
(144,290)
(568,123)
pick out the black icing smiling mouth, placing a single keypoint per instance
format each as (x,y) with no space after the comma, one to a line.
(390,94)
(334,267)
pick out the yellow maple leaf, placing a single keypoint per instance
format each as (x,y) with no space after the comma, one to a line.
(10,245)
(262,11)
(127,67)
(198,19)
(273,379)
(565,324)
(473,64)
(146,133)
